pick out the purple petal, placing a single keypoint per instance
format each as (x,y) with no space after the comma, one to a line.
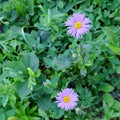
(77,17)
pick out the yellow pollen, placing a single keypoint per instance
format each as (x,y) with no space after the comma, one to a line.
(78,25)
(66,99)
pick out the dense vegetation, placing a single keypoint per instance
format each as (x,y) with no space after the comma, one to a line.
(35,49)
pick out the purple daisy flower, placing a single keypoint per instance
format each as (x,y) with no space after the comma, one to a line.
(78,25)
(67,99)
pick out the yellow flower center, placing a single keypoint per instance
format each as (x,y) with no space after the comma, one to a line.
(66,99)
(78,25)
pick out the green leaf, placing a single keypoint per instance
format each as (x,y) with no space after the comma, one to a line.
(37,73)
(30,60)
(48,87)
(1,57)
(54,80)
(42,113)
(2,115)
(106,87)
(22,89)
(60,4)
(31,6)
(68,7)
(17,67)
(115,49)
(32,110)
(62,61)
(116,115)
(10,113)
(33,118)
(118,69)
(107,97)
(19,6)
(83,71)
(44,102)
(4,100)
(57,113)
(31,82)
(12,33)
(111,35)
(12,118)
(12,98)
(30,39)
(88,37)
(31,73)
(116,105)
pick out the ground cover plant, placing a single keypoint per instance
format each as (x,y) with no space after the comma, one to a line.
(59,59)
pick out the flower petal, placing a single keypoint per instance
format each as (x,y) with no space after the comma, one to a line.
(77,32)
(67,105)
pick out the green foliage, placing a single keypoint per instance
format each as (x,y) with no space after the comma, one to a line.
(114,40)
(38,59)
(25,112)
(106,87)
